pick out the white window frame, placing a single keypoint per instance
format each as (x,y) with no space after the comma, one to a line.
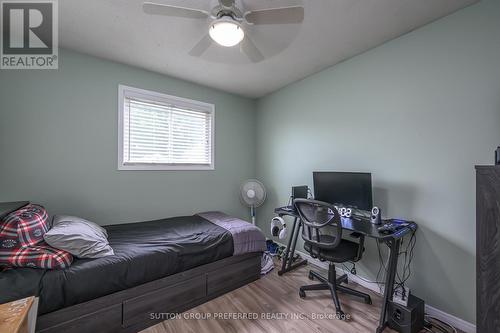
(126,91)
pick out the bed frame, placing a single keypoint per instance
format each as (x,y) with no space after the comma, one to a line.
(133,309)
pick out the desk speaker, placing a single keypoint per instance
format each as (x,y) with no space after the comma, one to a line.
(376,216)
(407,319)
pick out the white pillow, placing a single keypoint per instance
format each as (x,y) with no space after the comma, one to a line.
(81,238)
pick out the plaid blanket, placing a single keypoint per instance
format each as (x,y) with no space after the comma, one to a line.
(37,256)
(23,227)
(21,241)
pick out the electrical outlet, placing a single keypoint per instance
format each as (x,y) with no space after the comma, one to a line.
(401,295)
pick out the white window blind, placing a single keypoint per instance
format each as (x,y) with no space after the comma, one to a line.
(164,132)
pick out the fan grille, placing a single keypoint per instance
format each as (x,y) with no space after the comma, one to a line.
(252,193)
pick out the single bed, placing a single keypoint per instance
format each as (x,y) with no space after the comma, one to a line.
(162,266)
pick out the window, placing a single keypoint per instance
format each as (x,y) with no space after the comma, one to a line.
(162,132)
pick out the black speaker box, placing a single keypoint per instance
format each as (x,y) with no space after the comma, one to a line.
(407,319)
(300,192)
(376,216)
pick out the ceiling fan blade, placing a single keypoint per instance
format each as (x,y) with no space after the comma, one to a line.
(201,46)
(285,15)
(161,9)
(252,52)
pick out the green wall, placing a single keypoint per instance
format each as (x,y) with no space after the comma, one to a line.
(58,142)
(418,112)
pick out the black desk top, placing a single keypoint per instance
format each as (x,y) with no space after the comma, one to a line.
(359,225)
(8,207)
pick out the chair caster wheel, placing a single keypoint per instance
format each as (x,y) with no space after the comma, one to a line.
(311,276)
(302,294)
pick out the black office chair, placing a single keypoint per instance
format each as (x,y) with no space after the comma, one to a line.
(322,233)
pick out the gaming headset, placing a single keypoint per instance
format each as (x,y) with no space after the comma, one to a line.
(278,227)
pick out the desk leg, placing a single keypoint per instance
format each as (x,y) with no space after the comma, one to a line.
(389,281)
(294,243)
(287,260)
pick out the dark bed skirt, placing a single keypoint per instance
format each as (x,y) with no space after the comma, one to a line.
(137,308)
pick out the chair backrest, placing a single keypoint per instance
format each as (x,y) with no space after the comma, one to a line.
(321,223)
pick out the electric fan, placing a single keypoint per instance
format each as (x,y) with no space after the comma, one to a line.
(252,194)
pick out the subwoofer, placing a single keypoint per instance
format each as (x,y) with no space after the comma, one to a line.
(407,319)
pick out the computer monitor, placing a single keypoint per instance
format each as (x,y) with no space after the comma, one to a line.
(351,189)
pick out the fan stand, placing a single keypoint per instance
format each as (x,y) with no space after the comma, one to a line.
(252,213)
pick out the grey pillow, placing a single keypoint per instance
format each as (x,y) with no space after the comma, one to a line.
(81,238)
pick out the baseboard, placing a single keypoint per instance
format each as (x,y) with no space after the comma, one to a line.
(456,322)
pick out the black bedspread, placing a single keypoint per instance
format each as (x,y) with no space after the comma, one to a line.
(144,252)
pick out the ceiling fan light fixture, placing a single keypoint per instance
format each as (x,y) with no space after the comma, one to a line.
(226,32)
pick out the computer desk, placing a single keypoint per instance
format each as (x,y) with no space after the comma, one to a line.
(363,227)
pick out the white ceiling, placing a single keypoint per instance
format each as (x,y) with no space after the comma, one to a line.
(332,31)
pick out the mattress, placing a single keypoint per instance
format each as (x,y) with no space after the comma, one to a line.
(144,252)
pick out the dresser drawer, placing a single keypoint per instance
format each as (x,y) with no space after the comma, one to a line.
(107,319)
(233,276)
(139,309)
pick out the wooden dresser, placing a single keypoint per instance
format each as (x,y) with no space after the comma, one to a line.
(18,316)
(488,248)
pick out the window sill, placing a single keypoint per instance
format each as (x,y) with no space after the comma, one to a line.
(165,167)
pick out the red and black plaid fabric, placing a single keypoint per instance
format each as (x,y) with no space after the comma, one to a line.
(23,227)
(21,241)
(38,256)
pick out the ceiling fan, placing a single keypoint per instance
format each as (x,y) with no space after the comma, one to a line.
(229,22)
